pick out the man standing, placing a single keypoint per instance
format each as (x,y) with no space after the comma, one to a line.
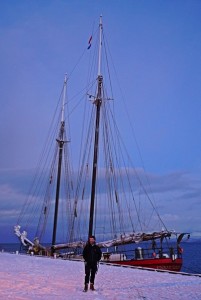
(92,255)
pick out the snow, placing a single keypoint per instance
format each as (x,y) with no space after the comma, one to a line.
(31,277)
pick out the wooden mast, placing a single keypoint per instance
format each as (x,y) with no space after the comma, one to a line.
(97,102)
(61,143)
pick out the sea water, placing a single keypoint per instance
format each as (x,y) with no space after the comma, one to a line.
(191,255)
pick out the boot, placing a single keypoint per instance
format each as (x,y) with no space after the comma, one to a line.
(92,287)
(85,287)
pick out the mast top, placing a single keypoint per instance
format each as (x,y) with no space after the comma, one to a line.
(100,45)
(64,98)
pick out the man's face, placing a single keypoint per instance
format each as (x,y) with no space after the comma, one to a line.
(91,240)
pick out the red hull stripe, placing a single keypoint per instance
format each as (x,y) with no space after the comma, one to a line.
(160,264)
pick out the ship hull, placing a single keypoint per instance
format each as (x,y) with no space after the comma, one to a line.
(155,263)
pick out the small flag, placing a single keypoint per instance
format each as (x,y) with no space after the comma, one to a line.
(89,42)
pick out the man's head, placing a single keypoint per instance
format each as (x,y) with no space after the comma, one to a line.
(92,239)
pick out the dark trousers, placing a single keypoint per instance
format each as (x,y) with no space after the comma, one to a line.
(90,272)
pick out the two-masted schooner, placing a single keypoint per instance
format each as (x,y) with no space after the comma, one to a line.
(107,197)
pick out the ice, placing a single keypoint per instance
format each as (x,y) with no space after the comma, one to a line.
(31,277)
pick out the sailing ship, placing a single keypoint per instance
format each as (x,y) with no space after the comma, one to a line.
(107,197)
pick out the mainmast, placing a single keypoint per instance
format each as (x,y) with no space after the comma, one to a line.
(61,143)
(97,102)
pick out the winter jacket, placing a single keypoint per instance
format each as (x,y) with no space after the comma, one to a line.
(91,253)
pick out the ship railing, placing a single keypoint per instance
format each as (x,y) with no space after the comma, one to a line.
(140,253)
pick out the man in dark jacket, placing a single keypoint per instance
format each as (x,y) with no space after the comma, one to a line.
(92,255)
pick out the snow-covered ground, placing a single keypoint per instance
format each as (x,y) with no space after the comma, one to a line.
(29,277)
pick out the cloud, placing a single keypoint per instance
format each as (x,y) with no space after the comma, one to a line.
(175,195)
(170,217)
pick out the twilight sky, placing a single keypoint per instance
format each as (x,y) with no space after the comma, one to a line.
(155,47)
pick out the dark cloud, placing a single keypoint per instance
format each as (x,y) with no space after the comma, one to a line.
(176,196)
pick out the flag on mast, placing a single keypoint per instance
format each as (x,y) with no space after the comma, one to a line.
(89,42)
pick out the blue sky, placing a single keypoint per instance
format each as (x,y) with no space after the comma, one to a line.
(156,48)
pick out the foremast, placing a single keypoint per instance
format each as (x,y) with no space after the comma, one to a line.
(97,102)
(61,143)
